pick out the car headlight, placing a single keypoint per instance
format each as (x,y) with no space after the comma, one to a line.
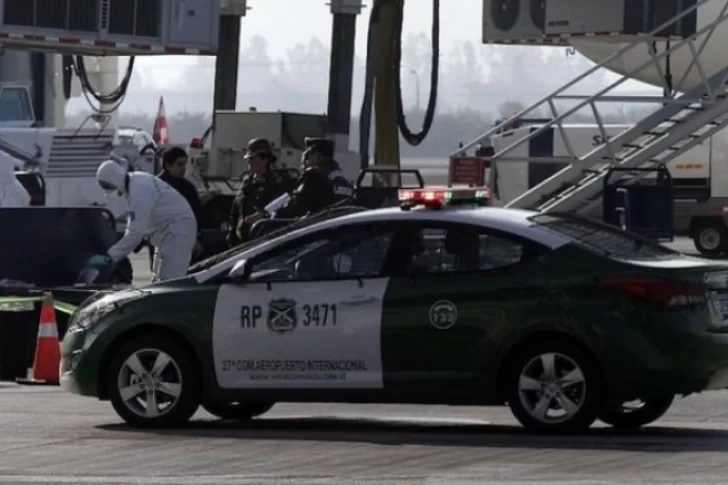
(90,315)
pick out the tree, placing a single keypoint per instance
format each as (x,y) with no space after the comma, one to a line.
(307,66)
(412,53)
(255,67)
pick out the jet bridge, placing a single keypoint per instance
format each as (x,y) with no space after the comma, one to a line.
(111,27)
(680,122)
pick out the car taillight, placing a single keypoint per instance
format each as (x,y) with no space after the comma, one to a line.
(655,291)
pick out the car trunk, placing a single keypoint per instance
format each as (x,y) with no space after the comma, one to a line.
(682,281)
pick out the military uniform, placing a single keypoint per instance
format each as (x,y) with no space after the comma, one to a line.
(256,191)
(320,186)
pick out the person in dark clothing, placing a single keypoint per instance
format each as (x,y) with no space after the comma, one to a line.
(260,186)
(321,185)
(174,166)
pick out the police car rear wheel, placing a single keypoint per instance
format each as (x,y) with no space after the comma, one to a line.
(554,386)
(238,411)
(630,415)
(153,382)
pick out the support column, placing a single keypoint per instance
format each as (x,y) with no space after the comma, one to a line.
(38,70)
(385,95)
(226,63)
(341,70)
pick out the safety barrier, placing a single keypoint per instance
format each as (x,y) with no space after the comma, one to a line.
(21,316)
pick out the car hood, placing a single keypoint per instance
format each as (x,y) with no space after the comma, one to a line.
(116,296)
(111,298)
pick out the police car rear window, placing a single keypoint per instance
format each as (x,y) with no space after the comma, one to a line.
(603,238)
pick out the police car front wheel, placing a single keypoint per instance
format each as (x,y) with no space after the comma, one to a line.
(154,382)
(238,411)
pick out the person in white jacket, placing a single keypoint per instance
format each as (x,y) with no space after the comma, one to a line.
(157,211)
(12,192)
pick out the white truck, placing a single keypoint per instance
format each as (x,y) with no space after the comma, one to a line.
(701,192)
(67,159)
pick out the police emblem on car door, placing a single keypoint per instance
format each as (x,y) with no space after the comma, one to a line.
(282,315)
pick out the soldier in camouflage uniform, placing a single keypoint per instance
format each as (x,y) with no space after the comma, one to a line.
(260,186)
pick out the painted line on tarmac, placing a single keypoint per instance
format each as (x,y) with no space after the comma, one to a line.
(384,418)
(201,480)
(435,479)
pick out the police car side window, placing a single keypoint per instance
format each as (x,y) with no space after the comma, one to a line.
(280,264)
(497,252)
(457,249)
(357,253)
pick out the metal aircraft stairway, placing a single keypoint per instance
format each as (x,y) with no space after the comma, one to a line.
(678,125)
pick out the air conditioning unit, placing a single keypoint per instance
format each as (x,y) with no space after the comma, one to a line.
(626,17)
(544,21)
(513,21)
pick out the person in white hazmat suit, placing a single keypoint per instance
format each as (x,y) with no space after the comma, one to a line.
(12,192)
(156,211)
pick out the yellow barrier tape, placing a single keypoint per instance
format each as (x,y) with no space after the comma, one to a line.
(66,308)
(18,303)
(26,303)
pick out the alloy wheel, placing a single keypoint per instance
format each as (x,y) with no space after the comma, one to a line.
(552,388)
(149,383)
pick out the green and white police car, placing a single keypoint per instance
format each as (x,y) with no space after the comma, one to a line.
(564,319)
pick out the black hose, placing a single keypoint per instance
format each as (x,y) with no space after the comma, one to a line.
(115,98)
(207,133)
(415,139)
(365,116)
(115,95)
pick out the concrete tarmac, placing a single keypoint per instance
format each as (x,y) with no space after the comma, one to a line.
(49,437)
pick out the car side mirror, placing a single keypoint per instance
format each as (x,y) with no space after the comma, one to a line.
(241,271)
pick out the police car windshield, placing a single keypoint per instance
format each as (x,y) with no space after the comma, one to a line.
(606,239)
(298,224)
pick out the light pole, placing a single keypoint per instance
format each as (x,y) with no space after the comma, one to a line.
(417,88)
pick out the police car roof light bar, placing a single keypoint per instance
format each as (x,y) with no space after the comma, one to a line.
(435,198)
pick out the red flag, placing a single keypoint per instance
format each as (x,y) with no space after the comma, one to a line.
(160,133)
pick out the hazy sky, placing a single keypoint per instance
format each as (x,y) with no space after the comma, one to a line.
(285,23)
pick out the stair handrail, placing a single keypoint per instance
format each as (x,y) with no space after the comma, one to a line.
(638,39)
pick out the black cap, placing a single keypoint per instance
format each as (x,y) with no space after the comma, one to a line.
(259,146)
(324,146)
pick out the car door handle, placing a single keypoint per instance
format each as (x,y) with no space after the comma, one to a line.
(363,300)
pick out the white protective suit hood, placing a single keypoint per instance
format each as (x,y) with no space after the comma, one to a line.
(12,192)
(113,174)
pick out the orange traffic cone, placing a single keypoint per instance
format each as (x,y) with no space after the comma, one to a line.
(48,348)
